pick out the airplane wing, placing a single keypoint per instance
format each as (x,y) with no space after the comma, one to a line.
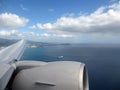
(7,58)
(12,53)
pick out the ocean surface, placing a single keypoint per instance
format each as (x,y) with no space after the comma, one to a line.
(103,63)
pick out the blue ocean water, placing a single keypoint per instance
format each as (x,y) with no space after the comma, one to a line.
(103,63)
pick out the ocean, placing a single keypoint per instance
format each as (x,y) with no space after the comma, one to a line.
(103,63)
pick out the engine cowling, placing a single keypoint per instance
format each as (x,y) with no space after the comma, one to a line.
(61,75)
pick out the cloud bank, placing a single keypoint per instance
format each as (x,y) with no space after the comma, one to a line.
(9,20)
(8,33)
(103,25)
(103,20)
(33,36)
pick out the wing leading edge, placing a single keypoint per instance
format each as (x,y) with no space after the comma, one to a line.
(12,53)
(7,58)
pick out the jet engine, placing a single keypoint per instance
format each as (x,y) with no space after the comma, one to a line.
(59,75)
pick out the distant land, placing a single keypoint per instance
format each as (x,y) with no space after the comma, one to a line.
(36,44)
(30,44)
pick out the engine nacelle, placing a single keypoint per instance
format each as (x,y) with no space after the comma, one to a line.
(60,75)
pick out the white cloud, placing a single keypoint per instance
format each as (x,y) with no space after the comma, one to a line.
(63,35)
(103,20)
(8,33)
(9,20)
(102,25)
(69,15)
(34,36)
(46,35)
(23,8)
(51,10)
(33,27)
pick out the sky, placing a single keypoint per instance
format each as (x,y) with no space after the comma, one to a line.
(64,21)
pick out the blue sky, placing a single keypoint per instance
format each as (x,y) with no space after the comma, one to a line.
(75,21)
